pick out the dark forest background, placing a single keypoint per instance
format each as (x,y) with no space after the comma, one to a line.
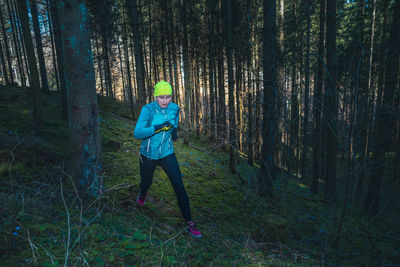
(302,89)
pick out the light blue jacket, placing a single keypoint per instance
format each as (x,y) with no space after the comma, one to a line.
(160,145)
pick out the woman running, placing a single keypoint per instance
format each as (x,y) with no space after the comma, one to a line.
(157,127)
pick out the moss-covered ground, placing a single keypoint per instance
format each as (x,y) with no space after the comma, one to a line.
(45,222)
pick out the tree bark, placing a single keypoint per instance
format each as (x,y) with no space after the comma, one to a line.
(267,172)
(128,69)
(35,83)
(60,59)
(330,114)
(39,46)
(231,85)
(211,69)
(308,8)
(281,87)
(3,64)
(186,67)
(83,108)
(53,52)
(140,75)
(294,108)
(8,56)
(13,20)
(24,60)
(317,100)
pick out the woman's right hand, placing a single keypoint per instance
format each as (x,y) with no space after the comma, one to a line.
(166,126)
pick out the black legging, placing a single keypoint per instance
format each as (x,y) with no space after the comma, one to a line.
(171,167)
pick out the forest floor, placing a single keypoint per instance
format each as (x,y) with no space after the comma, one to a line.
(45,222)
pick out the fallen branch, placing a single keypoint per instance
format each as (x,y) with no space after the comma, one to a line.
(197,148)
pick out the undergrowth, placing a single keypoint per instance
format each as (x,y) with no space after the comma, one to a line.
(46,222)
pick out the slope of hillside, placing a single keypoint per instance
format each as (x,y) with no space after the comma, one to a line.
(45,221)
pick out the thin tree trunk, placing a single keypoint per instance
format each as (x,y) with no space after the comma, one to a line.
(231,85)
(308,8)
(222,128)
(24,59)
(250,129)
(3,64)
(128,69)
(11,15)
(294,109)
(121,68)
(107,71)
(3,30)
(60,58)
(140,75)
(250,84)
(267,172)
(35,83)
(281,84)
(188,90)
(211,69)
(317,100)
(96,39)
(331,102)
(53,52)
(238,97)
(39,46)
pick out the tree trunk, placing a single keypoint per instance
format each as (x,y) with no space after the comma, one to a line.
(317,100)
(221,81)
(39,46)
(186,67)
(60,58)
(121,68)
(53,51)
(19,33)
(267,171)
(281,86)
(83,108)
(140,75)
(3,63)
(384,120)
(11,15)
(96,41)
(250,85)
(3,30)
(250,152)
(211,69)
(238,97)
(294,109)
(231,84)
(308,8)
(35,83)
(330,114)
(128,69)
(107,71)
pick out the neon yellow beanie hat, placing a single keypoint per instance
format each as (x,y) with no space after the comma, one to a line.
(162,88)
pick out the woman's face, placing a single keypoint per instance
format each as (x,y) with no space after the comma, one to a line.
(163,100)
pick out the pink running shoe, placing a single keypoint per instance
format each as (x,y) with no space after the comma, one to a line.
(141,199)
(192,230)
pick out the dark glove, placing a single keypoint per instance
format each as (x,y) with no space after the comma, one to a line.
(162,127)
(174,134)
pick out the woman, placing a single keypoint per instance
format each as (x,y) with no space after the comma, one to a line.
(157,127)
